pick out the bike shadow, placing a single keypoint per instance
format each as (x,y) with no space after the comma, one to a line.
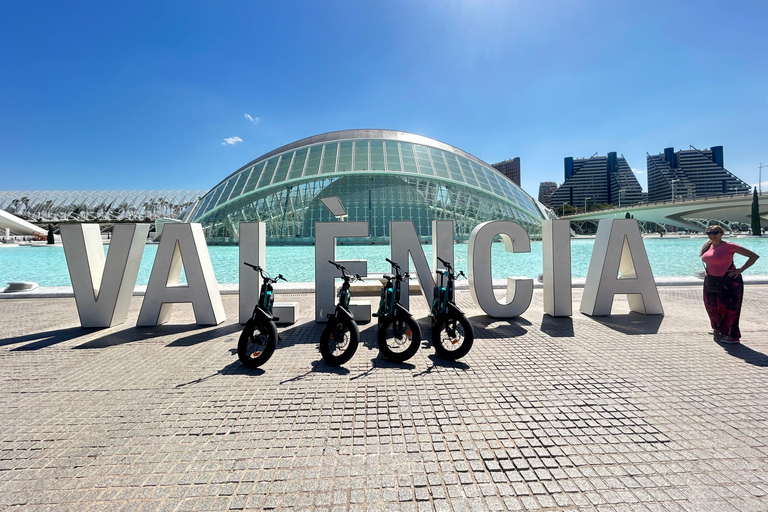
(318,367)
(380,362)
(439,362)
(46,339)
(234,368)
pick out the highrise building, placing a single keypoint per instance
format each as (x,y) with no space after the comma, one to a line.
(599,179)
(510,168)
(546,189)
(688,174)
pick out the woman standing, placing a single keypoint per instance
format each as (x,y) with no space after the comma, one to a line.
(723,284)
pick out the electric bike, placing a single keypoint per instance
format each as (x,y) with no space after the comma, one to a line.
(259,337)
(452,334)
(399,334)
(341,336)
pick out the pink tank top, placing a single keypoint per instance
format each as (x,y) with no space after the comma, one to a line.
(719,259)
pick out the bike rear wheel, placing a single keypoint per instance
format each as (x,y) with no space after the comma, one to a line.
(399,339)
(338,342)
(257,343)
(452,337)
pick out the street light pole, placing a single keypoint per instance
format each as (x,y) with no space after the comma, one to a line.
(585,203)
(621,191)
(760,178)
(673,189)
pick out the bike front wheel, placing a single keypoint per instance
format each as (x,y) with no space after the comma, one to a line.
(452,337)
(257,343)
(338,342)
(399,339)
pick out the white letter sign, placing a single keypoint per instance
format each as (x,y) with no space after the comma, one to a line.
(182,243)
(103,286)
(619,248)
(519,291)
(556,246)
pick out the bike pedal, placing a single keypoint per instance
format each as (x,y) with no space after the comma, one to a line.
(454,342)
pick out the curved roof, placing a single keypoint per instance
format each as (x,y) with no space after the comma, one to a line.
(332,154)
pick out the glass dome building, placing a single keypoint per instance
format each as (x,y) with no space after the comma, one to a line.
(379,176)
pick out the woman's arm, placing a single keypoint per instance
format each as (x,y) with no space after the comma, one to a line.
(751,259)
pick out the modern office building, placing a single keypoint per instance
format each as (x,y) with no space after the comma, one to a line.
(688,174)
(546,189)
(510,168)
(599,179)
(379,175)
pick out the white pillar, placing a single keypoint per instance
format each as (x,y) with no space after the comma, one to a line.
(253,241)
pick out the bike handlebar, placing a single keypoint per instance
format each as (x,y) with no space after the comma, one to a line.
(264,275)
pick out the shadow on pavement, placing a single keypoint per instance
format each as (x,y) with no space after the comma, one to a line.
(506,327)
(120,337)
(746,354)
(439,362)
(557,327)
(631,323)
(382,362)
(319,367)
(47,338)
(206,335)
(235,368)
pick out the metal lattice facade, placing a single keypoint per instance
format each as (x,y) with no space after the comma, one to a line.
(98,206)
(379,175)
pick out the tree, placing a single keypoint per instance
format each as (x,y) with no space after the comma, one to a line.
(627,216)
(51,240)
(756,229)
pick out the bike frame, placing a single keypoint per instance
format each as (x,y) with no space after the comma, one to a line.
(390,298)
(263,310)
(342,306)
(444,300)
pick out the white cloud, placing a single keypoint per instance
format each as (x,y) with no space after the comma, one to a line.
(231,141)
(638,171)
(254,120)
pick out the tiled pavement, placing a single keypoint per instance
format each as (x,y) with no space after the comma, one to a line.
(619,413)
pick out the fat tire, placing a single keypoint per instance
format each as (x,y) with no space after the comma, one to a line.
(386,333)
(455,351)
(325,342)
(268,331)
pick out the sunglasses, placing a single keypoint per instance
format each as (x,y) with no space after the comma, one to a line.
(710,233)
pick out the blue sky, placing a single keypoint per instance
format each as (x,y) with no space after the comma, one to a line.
(177,95)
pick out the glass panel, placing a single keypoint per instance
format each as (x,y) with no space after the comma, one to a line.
(228,188)
(409,161)
(480,175)
(453,167)
(269,170)
(204,206)
(377,155)
(254,178)
(422,157)
(361,155)
(393,157)
(469,175)
(345,156)
(438,162)
(313,162)
(282,168)
(297,167)
(329,159)
(214,199)
(241,182)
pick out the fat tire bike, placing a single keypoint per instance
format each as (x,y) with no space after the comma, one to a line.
(259,337)
(452,334)
(399,334)
(339,339)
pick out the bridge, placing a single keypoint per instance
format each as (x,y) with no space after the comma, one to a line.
(691,214)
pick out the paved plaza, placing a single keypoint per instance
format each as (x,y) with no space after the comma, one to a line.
(615,413)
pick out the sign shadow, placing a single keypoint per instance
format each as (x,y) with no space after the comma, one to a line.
(631,323)
(557,327)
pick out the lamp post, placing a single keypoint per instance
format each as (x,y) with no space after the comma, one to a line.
(585,203)
(760,178)
(673,189)
(621,191)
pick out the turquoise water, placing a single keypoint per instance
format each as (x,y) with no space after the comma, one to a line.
(47,266)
